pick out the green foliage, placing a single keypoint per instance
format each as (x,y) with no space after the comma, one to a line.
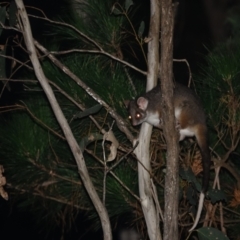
(30,144)
(216,195)
(220,84)
(13,14)
(141,29)
(95,20)
(208,233)
(128,4)
(119,202)
(187,174)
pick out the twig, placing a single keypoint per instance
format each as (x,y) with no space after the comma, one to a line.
(222,163)
(123,157)
(52,173)
(41,123)
(114,175)
(24,25)
(100,51)
(189,69)
(155,196)
(18,61)
(11,108)
(119,120)
(130,80)
(21,65)
(9,28)
(46,197)
(232,211)
(133,30)
(79,105)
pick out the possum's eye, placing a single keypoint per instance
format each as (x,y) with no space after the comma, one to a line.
(129,117)
(138,115)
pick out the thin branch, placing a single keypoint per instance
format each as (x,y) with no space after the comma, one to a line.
(232,211)
(79,105)
(155,196)
(233,171)
(119,120)
(24,25)
(42,124)
(123,157)
(133,30)
(220,138)
(189,69)
(21,65)
(9,28)
(52,173)
(11,108)
(100,51)
(18,61)
(130,80)
(69,26)
(114,175)
(23,81)
(63,201)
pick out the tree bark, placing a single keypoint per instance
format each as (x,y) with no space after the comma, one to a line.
(171,136)
(142,151)
(24,25)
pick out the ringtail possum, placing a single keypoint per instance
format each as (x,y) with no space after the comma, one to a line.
(190,122)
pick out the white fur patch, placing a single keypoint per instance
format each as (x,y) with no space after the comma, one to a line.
(199,211)
(186,132)
(153,119)
(177,112)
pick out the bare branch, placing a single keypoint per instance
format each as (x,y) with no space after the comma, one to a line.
(43,195)
(142,151)
(25,27)
(42,123)
(114,175)
(119,120)
(189,69)
(100,51)
(16,60)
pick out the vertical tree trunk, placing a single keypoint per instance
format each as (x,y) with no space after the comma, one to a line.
(171,136)
(142,151)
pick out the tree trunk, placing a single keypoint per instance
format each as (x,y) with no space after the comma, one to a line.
(142,151)
(166,75)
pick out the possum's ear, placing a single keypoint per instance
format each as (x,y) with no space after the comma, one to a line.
(142,103)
